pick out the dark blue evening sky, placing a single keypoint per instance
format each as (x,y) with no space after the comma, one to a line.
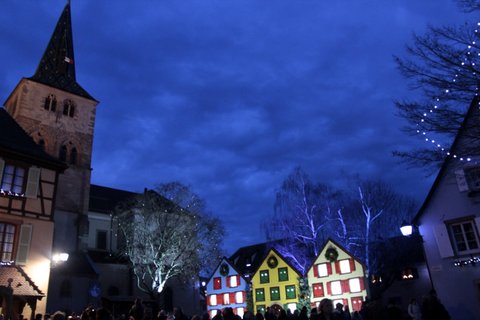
(230,96)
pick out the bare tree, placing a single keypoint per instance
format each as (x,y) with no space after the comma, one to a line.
(300,215)
(168,237)
(443,64)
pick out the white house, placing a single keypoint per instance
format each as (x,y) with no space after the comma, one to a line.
(449,221)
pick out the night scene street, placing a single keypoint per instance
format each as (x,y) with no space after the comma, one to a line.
(243,159)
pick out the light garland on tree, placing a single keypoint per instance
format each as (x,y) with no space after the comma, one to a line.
(467,60)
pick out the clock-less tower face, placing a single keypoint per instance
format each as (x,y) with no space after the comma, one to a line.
(60,116)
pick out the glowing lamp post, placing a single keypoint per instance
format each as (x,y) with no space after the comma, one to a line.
(59,257)
(406,229)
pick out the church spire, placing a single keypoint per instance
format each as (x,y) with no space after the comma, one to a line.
(57,66)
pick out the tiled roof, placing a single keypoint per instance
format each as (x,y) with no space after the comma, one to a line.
(57,66)
(21,283)
(15,141)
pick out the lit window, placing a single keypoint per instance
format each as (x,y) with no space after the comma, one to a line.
(217,283)
(336,287)
(274,293)
(290,292)
(12,179)
(464,236)
(292,307)
(323,270)
(7,240)
(226,298)
(354,285)
(264,276)
(233,281)
(259,295)
(213,300)
(240,312)
(239,297)
(345,266)
(282,274)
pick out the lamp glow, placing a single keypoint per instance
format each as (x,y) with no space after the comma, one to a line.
(406,229)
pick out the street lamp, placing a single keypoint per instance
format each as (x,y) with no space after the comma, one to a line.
(407,230)
(59,257)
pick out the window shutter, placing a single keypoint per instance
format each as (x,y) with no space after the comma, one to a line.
(362,283)
(24,244)
(329,268)
(232,298)
(329,289)
(461,180)
(238,280)
(443,240)
(32,182)
(345,302)
(352,265)
(244,294)
(315,271)
(2,166)
(208,300)
(228,279)
(219,299)
(345,286)
(337,267)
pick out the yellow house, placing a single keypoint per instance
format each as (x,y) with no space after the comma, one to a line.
(275,284)
(337,275)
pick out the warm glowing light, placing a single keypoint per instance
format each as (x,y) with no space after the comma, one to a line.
(60,257)
(406,229)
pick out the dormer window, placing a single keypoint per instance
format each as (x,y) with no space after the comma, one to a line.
(472,175)
(68,108)
(12,178)
(468,178)
(50,103)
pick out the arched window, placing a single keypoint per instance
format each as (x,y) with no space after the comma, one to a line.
(68,108)
(73,156)
(63,153)
(66,288)
(50,103)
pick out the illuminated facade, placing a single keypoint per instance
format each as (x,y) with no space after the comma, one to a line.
(226,288)
(275,283)
(28,184)
(337,275)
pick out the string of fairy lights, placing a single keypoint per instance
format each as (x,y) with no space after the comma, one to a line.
(470,57)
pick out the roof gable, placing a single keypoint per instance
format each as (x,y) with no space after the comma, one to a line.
(342,252)
(268,262)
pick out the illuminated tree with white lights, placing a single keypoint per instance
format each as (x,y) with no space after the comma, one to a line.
(444,66)
(168,234)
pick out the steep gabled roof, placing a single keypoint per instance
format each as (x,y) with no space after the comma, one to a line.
(247,259)
(273,250)
(57,66)
(17,144)
(225,259)
(337,245)
(473,111)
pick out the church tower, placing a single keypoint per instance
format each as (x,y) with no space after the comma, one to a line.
(60,115)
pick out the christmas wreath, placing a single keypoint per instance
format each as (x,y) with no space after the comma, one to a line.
(272,262)
(331,254)
(224,269)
